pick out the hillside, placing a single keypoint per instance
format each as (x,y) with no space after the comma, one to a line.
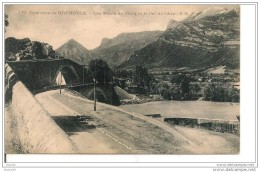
(76,52)
(117,50)
(25,49)
(204,39)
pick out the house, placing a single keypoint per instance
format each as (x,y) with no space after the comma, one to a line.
(236,85)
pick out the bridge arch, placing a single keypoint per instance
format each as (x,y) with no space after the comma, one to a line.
(69,75)
(100,95)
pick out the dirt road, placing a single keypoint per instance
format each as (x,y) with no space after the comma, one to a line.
(113,130)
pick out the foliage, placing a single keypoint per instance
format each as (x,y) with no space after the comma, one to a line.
(123,74)
(142,78)
(176,79)
(38,50)
(6,21)
(220,94)
(185,86)
(100,70)
(176,93)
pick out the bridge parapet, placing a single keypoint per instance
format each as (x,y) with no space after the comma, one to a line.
(37,74)
(41,75)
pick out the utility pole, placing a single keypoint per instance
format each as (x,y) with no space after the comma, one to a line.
(95,101)
(60,78)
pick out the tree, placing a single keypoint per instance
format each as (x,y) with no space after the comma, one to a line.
(220,94)
(185,86)
(234,95)
(6,21)
(39,51)
(100,70)
(207,93)
(123,73)
(176,95)
(166,94)
(194,90)
(176,78)
(142,78)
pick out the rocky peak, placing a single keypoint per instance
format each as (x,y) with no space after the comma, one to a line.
(172,24)
(76,52)
(216,11)
(25,49)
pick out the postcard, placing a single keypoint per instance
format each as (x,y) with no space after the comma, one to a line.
(122,79)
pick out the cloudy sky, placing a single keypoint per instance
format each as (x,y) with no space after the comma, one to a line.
(89,24)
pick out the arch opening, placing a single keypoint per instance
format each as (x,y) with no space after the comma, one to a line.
(66,75)
(100,95)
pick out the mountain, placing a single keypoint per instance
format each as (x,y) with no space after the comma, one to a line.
(117,50)
(207,38)
(76,52)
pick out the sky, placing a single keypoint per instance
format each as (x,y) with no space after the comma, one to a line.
(88,24)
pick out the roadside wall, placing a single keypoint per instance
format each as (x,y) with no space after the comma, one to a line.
(38,133)
(209,124)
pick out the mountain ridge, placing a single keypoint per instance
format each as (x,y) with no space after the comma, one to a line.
(203,39)
(118,49)
(76,52)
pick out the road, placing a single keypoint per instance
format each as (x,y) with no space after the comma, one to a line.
(112,130)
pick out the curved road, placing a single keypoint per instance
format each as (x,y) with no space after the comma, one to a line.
(113,130)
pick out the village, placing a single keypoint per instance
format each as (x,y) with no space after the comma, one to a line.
(213,84)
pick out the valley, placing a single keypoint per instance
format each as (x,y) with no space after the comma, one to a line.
(172,91)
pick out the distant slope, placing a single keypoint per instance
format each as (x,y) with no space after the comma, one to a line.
(76,52)
(117,50)
(207,38)
(122,94)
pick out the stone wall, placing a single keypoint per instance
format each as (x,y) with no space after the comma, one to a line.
(38,133)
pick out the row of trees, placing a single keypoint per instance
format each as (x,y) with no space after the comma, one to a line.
(219,93)
(211,92)
(183,91)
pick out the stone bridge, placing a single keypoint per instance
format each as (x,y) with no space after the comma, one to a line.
(42,75)
(37,75)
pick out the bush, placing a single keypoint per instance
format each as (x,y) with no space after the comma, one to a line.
(220,94)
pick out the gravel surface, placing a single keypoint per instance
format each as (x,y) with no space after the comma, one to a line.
(113,130)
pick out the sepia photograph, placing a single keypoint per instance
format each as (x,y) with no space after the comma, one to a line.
(102,79)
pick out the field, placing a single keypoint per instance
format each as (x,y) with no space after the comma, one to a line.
(217,70)
(192,109)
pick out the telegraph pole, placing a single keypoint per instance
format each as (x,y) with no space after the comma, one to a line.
(60,78)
